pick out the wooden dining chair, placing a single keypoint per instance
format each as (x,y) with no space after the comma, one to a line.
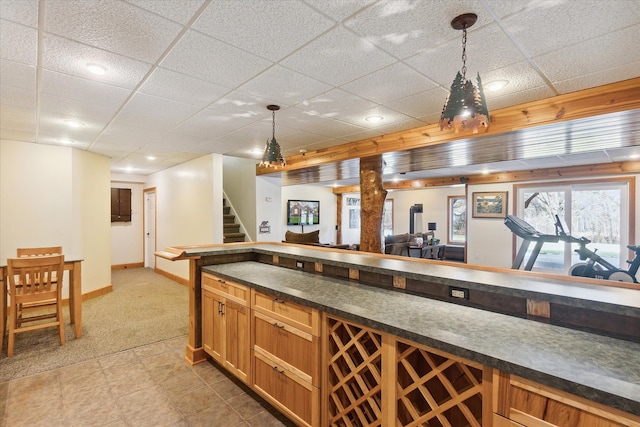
(35,280)
(39,251)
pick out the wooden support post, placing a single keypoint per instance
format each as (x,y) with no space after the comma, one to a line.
(372,196)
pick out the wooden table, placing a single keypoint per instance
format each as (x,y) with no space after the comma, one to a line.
(74,267)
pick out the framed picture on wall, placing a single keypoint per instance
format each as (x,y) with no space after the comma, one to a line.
(490,205)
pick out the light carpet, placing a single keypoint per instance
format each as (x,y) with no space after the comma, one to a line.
(144,308)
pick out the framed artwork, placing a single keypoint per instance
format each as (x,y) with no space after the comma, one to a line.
(353,201)
(490,205)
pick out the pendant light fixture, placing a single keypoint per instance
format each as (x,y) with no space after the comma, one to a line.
(272,156)
(466,106)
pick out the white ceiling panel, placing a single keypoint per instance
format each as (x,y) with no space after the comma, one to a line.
(180,11)
(111,25)
(72,58)
(17,75)
(201,56)
(338,57)
(276,30)
(80,89)
(19,43)
(172,85)
(187,77)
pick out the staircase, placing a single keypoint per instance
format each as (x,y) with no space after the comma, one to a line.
(231,231)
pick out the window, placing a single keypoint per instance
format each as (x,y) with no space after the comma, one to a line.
(387,218)
(598,211)
(457,220)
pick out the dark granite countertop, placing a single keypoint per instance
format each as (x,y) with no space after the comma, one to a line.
(554,289)
(598,368)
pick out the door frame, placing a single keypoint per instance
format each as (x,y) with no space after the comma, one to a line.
(144,223)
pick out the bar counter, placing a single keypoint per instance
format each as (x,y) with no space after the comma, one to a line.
(600,368)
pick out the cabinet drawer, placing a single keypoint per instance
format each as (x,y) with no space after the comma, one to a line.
(296,349)
(226,288)
(297,399)
(304,318)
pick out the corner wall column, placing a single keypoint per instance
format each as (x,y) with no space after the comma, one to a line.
(372,196)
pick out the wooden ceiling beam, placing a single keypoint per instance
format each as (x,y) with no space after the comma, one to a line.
(601,169)
(615,97)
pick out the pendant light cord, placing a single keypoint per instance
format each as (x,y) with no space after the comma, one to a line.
(464,53)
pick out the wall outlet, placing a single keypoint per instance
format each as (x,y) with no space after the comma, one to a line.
(299,264)
(461,293)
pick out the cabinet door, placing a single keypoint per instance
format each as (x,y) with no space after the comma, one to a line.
(237,357)
(297,349)
(212,325)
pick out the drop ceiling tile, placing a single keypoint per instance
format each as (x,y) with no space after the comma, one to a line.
(143,120)
(56,140)
(420,104)
(24,12)
(172,111)
(616,74)
(242,105)
(210,124)
(175,142)
(69,57)
(547,26)
(62,106)
(404,28)
(497,102)
(17,135)
(488,48)
(200,56)
(295,119)
(338,57)
(132,136)
(80,89)
(15,74)
(390,117)
(113,151)
(283,86)
(112,25)
(277,27)
(179,87)
(19,43)
(334,104)
(591,56)
(179,11)
(390,83)
(18,97)
(17,118)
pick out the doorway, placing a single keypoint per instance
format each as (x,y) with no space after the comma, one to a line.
(150,228)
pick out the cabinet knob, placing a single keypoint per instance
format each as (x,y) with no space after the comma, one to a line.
(278,326)
(278,300)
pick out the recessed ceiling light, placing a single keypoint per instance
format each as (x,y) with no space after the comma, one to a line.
(96,69)
(151,157)
(374,119)
(496,85)
(73,123)
(65,141)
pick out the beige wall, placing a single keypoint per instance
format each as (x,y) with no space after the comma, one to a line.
(188,207)
(52,195)
(127,238)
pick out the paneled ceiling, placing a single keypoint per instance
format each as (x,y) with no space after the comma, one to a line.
(184,78)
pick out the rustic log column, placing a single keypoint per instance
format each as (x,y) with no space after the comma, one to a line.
(372,195)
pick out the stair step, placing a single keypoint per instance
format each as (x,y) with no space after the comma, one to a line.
(226,210)
(231,228)
(228,219)
(233,237)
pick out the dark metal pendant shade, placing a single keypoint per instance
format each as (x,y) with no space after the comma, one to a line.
(272,156)
(466,105)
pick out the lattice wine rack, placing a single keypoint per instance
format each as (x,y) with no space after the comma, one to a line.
(354,375)
(436,390)
(432,388)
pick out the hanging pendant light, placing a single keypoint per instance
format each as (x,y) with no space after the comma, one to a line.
(272,156)
(466,106)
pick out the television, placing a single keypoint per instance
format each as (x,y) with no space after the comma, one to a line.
(303,212)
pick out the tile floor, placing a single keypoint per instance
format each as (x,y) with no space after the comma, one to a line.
(145,386)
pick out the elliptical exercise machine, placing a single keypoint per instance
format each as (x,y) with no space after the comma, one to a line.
(595,266)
